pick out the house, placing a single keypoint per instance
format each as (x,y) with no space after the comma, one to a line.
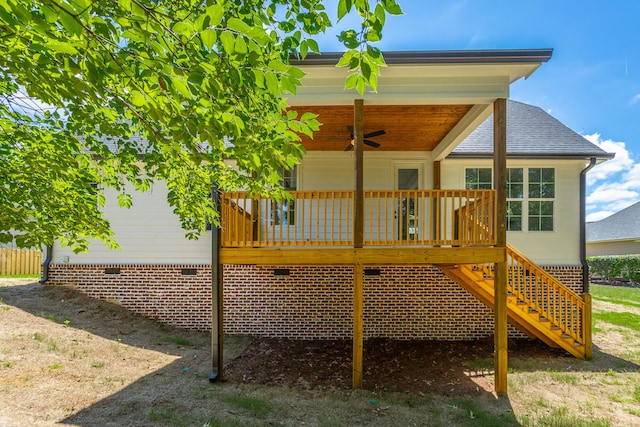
(394,228)
(618,234)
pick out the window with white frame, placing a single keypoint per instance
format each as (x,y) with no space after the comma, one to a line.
(542,192)
(478,179)
(538,198)
(515,195)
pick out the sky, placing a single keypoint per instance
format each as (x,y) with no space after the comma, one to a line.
(591,84)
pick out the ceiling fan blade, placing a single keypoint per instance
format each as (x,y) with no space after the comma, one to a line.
(371,143)
(349,148)
(374,134)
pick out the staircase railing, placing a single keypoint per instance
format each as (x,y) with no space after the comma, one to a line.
(543,294)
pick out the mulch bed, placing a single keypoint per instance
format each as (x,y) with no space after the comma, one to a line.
(448,368)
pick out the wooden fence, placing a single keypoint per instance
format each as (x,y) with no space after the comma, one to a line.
(20,261)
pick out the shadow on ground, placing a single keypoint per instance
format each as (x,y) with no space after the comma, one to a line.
(453,369)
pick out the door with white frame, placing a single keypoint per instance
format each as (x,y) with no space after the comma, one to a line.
(408,177)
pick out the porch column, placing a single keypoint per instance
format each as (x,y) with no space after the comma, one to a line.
(217,334)
(437,175)
(358,241)
(500,282)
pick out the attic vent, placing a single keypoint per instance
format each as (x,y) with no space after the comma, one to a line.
(189,272)
(111,271)
(371,271)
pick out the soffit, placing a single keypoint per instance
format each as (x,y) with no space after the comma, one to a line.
(407,127)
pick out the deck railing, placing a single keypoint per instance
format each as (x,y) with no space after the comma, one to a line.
(545,295)
(391,218)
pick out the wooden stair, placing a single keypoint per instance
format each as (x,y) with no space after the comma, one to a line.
(537,303)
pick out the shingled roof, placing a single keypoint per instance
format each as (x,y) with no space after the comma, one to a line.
(623,225)
(531,132)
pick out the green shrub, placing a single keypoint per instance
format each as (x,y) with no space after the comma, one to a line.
(612,267)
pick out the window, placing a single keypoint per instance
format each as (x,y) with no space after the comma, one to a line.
(515,194)
(284,212)
(478,179)
(534,187)
(542,191)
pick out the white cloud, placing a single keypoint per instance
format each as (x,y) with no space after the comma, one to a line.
(613,197)
(635,99)
(597,216)
(614,184)
(620,163)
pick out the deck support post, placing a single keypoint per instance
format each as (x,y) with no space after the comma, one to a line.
(358,239)
(217,305)
(500,282)
(358,278)
(586,327)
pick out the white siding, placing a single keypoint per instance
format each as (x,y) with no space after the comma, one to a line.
(322,170)
(622,247)
(560,247)
(148,233)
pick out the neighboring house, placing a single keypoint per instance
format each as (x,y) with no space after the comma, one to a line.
(399,237)
(618,234)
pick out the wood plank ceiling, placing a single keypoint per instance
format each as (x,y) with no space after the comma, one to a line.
(407,127)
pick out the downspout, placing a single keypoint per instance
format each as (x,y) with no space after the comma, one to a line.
(583,238)
(45,264)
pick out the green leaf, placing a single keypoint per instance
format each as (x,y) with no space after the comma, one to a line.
(62,47)
(272,83)
(240,45)
(346,58)
(238,25)
(392,7)
(228,42)
(351,81)
(209,38)
(138,99)
(344,6)
(215,12)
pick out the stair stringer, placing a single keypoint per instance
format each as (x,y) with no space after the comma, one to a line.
(528,322)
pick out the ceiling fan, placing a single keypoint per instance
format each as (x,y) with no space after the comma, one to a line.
(366,141)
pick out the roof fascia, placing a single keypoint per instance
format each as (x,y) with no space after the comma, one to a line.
(428,77)
(541,156)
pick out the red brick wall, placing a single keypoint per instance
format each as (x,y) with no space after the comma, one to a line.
(404,302)
(159,292)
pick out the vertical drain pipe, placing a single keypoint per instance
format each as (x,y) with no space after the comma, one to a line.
(45,264)
(217,306)
(583,238)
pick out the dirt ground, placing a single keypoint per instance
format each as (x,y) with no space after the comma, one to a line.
(439,367)
(69,359)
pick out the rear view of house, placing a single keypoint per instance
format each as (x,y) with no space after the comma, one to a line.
(396,226)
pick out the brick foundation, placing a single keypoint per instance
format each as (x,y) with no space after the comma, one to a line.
(311,302)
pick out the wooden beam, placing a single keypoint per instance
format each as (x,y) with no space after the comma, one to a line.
(358,199)
(437,175)
(358,328)
(369,256)
(467,124)
(500,278)
(217,299)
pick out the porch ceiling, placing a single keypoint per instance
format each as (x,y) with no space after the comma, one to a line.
(407,127)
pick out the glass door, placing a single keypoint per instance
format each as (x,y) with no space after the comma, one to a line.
(407,178)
